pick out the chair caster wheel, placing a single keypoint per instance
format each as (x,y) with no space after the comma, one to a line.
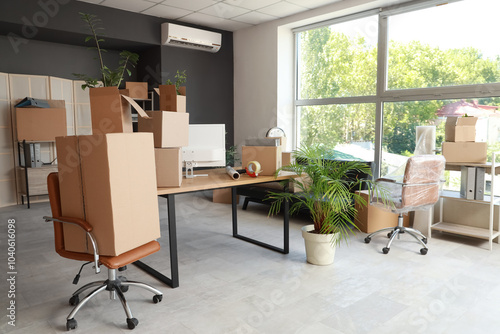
(423,251)
(385,250)
(157,298)
(389,234)
(424,240)
(71,324)
(124,288)
(367,240)
(74,300)
(132,323)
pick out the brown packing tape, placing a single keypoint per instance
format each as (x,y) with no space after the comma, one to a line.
(134,104)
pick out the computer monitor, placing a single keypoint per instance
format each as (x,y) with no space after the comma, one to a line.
(207,147)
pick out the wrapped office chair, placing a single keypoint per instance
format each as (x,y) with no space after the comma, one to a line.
(116,285)
(417,189)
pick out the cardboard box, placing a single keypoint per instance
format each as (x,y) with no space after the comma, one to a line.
(41,124)
(110,112)
(466,152)
(371,218)
(137,90)
(282,142)
(109,181)
(286,158)
(168,167)
(170,129)
(170,100)
(223,196)
(269,157)
(460,129)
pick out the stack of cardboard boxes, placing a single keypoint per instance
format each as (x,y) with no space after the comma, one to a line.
(460,144)
(108,179)
(170,128)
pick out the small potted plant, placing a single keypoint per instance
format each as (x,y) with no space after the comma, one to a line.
(173,95)
(326,188)
(106,106)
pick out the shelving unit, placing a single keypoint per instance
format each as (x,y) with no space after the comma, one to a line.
(33,180)
(488,233)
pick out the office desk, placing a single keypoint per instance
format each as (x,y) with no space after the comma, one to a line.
(216,179)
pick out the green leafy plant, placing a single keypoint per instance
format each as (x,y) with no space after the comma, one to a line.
(180,78)
(109,77)
(327,189)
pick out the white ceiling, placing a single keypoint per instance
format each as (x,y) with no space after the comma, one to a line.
(221,14)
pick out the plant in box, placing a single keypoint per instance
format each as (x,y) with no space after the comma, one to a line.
(326,188)
(110,113)
(173,95)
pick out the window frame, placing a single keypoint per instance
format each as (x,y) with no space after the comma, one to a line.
(384,95)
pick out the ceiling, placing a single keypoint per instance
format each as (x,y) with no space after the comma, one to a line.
(229,15)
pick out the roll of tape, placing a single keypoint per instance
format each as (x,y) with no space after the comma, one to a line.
(253,168)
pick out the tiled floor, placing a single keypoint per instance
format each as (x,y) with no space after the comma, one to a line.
(230,286)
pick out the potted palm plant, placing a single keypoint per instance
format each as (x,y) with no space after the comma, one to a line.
(326,188)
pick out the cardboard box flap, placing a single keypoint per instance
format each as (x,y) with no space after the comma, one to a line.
(461,121)
(467,121)
(134,104)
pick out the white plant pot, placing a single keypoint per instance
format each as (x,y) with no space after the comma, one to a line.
(319,247)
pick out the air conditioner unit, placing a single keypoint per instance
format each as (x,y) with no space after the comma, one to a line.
(191,38)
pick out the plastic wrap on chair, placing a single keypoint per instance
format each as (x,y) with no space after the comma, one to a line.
(414,186)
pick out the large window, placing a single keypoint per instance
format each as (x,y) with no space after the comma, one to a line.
(366,82)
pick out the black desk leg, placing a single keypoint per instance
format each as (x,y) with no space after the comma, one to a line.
(174,262)
(286,227)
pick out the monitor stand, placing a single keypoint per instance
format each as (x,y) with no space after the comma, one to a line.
(190,170)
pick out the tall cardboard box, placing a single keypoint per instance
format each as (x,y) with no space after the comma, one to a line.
(41,124)
(371,218)
(170,129)
(168,167)
(466,152)
(109,111)
(170,100)
(269,157)
(109,181)
(137,90)
(460,129)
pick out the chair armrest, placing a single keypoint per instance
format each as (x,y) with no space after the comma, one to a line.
(86,227)
(70,220)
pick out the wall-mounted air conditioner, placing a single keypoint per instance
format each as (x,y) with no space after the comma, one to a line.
(191,38)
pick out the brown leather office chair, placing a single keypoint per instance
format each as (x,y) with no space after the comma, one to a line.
(116,285)
(417,189)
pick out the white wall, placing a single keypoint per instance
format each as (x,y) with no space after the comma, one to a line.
(263,69)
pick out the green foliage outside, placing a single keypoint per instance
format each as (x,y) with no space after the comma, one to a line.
(334,65)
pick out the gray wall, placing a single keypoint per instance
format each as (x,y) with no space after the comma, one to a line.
(46,37)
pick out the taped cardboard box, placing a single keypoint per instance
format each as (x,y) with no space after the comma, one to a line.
(110,112)
(460,129)
(170,129)
(371,218)
(269,157)
(109,181)
(45,123)
(467,152)
(168,167)
(137,90)
(170,100)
